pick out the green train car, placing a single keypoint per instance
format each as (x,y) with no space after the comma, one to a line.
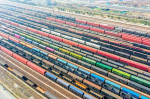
(45,43)
(89,60)
(64,51)
(54,47)
(140,80)
(37,40)
(103,66)
(121,73)
(76,55)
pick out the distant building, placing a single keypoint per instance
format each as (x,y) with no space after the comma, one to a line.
(42,2)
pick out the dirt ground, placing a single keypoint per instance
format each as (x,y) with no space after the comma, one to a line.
(19,89)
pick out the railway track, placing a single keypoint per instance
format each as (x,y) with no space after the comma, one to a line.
(103,76)
(56,56)
(40,80)
(95,20)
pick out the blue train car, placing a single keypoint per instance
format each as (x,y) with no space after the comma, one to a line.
(28,40)
(129,94)
(143,97)
(68,68)
(44,53)
(97,79)
(112,86)
(63,83)
(36,51)
(62,61)
(76,90)
(35,43)
(50,76)
(84,71)
(86,96)
(72,66)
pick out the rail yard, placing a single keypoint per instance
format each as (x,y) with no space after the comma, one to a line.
(61,55)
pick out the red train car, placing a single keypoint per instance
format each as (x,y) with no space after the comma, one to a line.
(43,33)
(134,64)
(107,27)
(87,48)
(81,21)
(13,39)
(22,26)
(97,30)
(19,58)
(108,55)
(4,35)
(113,33)
(51,19)
(70,42)
(71,24)
(7,51)
(60,21)
(32,30)
(83,27)
(55,37)
(93,24)
(36,68)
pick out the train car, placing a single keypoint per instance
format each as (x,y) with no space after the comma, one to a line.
(67,78)
(92,86)
(97,79)
(143,97)
(63,71)
(97,95)
(80,85)
(87,96)
(71,58)
(76,90)
(89,60)
(99,70)
(126,93)
(140,81)
(46,64)
(118,78)
(76,77)
(112,87)
(72,66)
(121,73)
(50,76)
(37,60)
(110,95)
(62,61)
(54,47)
(64,51)
(27,55)
(76,55)
(139,87)
(63,83)
(40,89)
(103,66)
(84,71)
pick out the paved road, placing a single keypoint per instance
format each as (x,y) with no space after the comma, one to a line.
(4,94)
